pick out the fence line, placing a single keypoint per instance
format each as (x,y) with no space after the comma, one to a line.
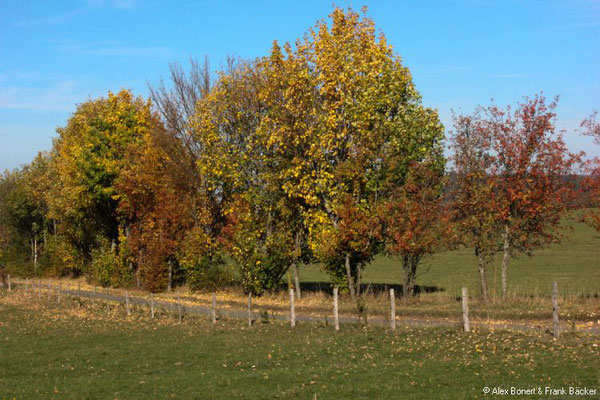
(176,308)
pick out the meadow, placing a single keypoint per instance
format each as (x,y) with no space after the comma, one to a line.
(574,264)
(73,349)
(66,352)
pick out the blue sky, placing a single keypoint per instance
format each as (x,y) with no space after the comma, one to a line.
(55,54)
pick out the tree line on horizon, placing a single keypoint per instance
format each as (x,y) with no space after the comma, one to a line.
(318,152)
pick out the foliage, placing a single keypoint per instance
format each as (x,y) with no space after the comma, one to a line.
(348,122)
(104,265)
(202,260)
(23,216)
(416,220)
(591,128)
(89,155)
(61,257)
(109,265)
(532,161)
(521,167)
(159,204)
(474,208)
(260,244)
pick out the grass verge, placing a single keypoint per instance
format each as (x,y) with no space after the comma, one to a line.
(79,353)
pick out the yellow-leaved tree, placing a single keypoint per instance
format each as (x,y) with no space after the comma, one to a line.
(88,157)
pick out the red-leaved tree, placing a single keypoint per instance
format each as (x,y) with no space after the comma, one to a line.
(531,168)
(521,182)
(415,221)
(474,210)
(159,203)
(591,127)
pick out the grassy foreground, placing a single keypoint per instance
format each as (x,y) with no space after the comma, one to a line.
(77,353)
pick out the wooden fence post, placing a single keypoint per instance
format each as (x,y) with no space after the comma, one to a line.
(465,309)
(58,290)
(292,311)
(250,309)
(127,309)
(214,308)
(79,289)
(556,326)
(336,319)
(179,308)
(9,284)
(392,309)
(152,305)
(49,290)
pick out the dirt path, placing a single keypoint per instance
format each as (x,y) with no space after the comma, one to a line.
(187,308)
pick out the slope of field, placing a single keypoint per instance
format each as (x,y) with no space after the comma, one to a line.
(76,353)
(574,264)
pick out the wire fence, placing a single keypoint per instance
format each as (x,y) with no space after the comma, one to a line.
(181,308)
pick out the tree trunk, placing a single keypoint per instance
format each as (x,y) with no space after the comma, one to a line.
(349,277)
(358,279)
(296,267)
(170,279)
(138,275)
(506,249)
(297,280)
(35,255)
(482,277)
(409,277)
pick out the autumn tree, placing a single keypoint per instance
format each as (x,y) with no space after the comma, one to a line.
(527,163)
(235,166)
(591,127)
(89,155)
(27,230)
(174,221)
(415,220)
(176,100)
(370,127)
(21,224)
(158,201)
(287,132)
(474,210)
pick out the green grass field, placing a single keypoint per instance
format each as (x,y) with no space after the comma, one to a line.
(70,353)
(66,352)
(574,264)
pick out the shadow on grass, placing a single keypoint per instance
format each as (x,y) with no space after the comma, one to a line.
(374,288)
